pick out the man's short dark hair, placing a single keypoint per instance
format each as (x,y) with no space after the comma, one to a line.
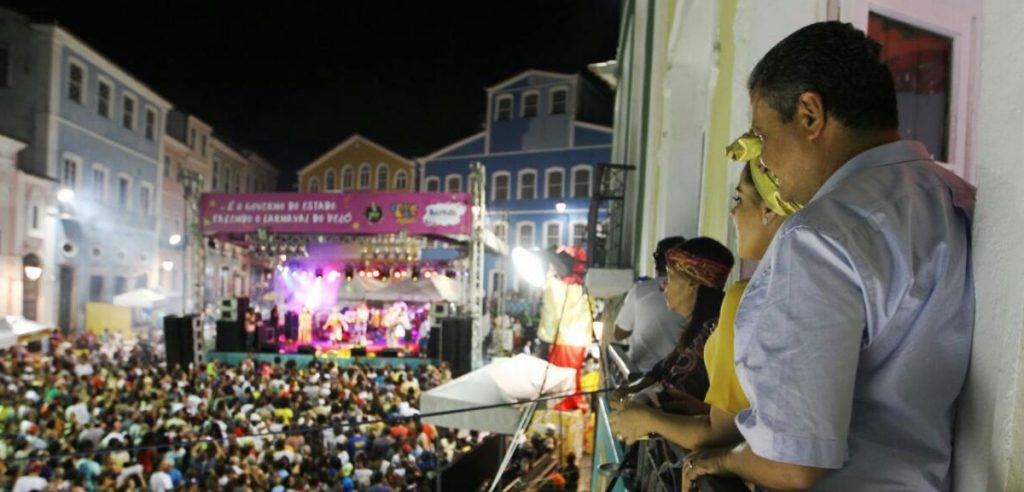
(837,61)
(663,246)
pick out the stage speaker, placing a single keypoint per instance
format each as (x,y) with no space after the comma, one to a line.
(452,342)
(266,332)
(234,308)
(358,351)
(442,310)
(390,352)
(230,336)
(183,340)
(291,325)
(307,349)
(269,348)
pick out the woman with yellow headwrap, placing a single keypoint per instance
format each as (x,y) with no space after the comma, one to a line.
(757,214)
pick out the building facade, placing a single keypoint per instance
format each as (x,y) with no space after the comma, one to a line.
(544,137)
(358,164)
(98,132)
(27,222)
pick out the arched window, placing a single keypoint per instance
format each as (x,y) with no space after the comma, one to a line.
(453,183)
(559,101)
(530,104)
(526,234)
(552,234)
(401,181)
(554,183)
(581,181)
(501,231)
(500,187)
(432,183)
(527,184)
(364,176)
(346,178)
(329,180)
(382,177)
(503,107)
(314,185)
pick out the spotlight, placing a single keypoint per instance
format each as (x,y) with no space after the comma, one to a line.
(362,273)
(428,274)
(376,274)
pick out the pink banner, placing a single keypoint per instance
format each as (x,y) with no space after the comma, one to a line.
(336,213)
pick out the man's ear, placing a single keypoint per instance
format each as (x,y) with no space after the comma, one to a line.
(810,114)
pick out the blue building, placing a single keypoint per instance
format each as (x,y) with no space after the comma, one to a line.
(544,137)
(96,131)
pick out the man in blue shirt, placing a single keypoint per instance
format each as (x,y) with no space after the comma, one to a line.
(854,334)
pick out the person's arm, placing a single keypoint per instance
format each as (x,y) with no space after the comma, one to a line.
(689,431)
(626,319)
(741,462)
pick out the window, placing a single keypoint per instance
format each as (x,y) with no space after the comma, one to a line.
(238,181)
(99,182)
(192,138)
(433,183)
(128,112)
(579,234)
(124,185)
(225,183)
(552,234)
(364,176)
(581,181)
(921,62)
(202,148)
(504,108)
(216,172)
(76,83)
(346,178)
(555,180)
(248,184)
(96,288)
(382,177)
(525,236)
(501,186)
(103,99)
(527,185)
(501,231)
(453,183)
(34,219)
(329,180)
(401,181)
(530,102)
(497,281)
(5,65)
(559,100)
(150,124)
(69,173)
(314,185)
(120,285)
(145,199)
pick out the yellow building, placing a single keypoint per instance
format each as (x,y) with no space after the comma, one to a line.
(358,164)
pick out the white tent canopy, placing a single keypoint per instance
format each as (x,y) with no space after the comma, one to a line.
(144,298)
(503,381)
(12,328)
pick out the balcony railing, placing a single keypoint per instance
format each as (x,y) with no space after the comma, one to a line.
(658,463)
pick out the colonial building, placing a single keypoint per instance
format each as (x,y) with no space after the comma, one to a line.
(545,135)
(98,132)
(28,216)
(358,164)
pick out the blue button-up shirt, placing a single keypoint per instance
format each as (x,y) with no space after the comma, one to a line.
(853,337)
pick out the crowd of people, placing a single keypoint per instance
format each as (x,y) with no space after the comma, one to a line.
(98,414)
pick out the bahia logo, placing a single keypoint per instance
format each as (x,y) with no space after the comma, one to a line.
(444,214)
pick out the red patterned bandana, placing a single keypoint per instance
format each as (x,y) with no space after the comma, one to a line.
(703,271)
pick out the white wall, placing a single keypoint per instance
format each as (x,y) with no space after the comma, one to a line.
(990,429)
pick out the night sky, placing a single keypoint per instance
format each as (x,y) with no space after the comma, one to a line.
(292,81)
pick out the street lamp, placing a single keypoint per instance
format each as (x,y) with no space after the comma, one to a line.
(167,265)
(175,239)
(560,206)
(33,272)
(66,195)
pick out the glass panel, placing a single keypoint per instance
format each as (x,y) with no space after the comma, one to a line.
(501,187)
(921,62)
(528,186)
(581,183)
(555,180)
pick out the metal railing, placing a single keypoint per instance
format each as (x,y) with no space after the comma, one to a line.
(658,462)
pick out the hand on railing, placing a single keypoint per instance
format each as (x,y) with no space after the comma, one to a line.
(704,470)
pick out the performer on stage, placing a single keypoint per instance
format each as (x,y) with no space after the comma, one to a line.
(362,318)
(305,326)
(335,327)
(397,323)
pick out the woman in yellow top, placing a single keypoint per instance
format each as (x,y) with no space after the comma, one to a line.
(757,215)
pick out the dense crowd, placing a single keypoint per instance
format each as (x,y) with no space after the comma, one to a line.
(109,415)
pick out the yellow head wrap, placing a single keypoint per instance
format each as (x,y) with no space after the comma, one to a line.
(747,148)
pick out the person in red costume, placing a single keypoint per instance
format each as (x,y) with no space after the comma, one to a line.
(567,315)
